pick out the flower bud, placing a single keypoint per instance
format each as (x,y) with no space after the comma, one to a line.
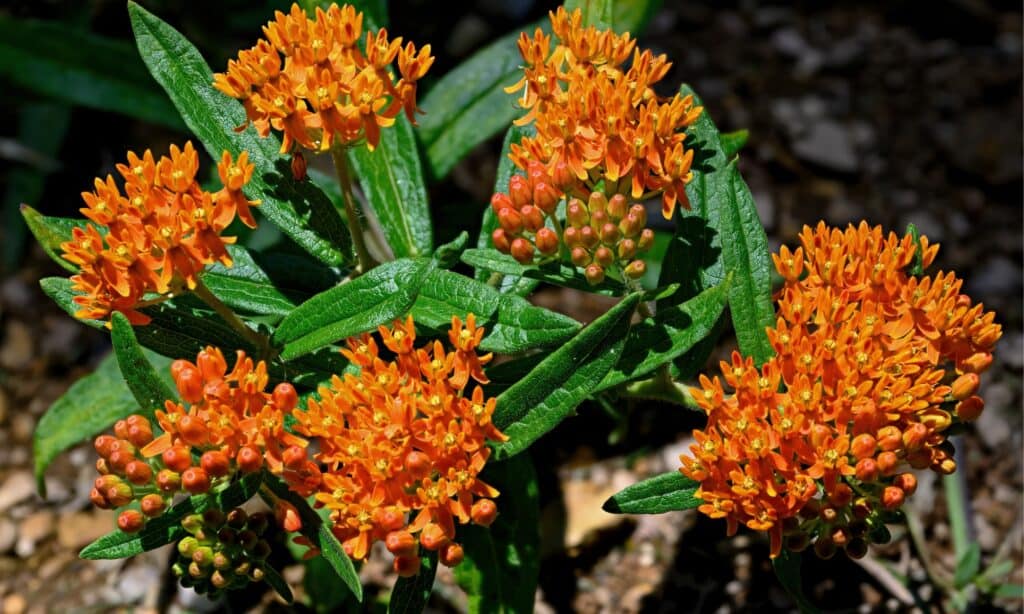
(406,566)
(522,251)
(236,518)
(187,546)
(178,366)
(168,481)
(535,171)
(547,241)
(594,274)
(298,166)
(511,221)
(976,363)
(97,498)
(451,554)
(400,543)
(140,433)
(519,191)
(500,240)
(597,203)
(576,214)
(604,256)
(907,482)
(218,579)
(866,470)
(863,446)
(970,408)
(177,459)
(533,219)
(636,269)
(285,397)
(546,197)
(121,429)
(841,495)
(249,459)
(598,219)
(627,249)
(104,445)
(116,492)
(892,497)
(617,207)
(571,236)
(203,556)
(131,521)
(192,430)
(190,384)
(824,548)
(294,458)
(935,419)
(500,201)
(561,176)
(889,438)
(588,238)
(102,466)
(645,241)
(195,480)
(211,364)
(609,234)
(913,436)
(580,256)
(287,517)
(483,512)
(138,472)
(857,548)
(946,466)
(152,505)
(965,386)
(432,537)
(887,462)
(418,464)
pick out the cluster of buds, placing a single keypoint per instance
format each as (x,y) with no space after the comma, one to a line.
(222,551)
(403,443)
(599,121)
(526,214)
(232,427)
(604,233)
(310,80)
(156,236)
(872,367)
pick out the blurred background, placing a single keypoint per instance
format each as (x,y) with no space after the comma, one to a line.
(894,112)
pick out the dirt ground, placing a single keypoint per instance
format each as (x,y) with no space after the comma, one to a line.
(890,112)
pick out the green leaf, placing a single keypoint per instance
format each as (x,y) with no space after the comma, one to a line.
(553,389)
(410,595)
(469,105)
(324,592)
(392,179)
(318,532)
(248,288)
(521,326)
(596,13)
(50,232)
(633,15)
(276,582)
(167,528)
(149,390)
(90,406)
(733,142)
(444,294)
(787,570)
(383,294)
(968,565)
(662,493)
(502,562)
(299,209)
(916,268)
(1010,591)
(552,272)
(59,61)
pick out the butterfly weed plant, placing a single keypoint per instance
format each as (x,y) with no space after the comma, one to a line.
(350,388)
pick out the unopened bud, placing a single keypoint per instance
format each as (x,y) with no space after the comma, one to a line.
(215,463)
(152,505)
(400,543)
(195,480)
(976,363)
(192,430)
(500,201)
(887,462)
(298,166)
(914,435)
(451,554)
(483,512)
(168,481)
(130,521)
(598,219)
(889,438)
(104,445)
(617,207)
(406,566)
(294,458)
(187,546)
(965,386)
(249,459)
(138,472)
(841,495)
(627,249)
(547,241)
(863,446)
(546,197)
(580,256)
(892,497)
(609,234)
(597,203)
(970,408)
(576,213)
(522,251)
(500,241)
(418,464)
(588,238)
(636,269)
(604,256)
(190,384)
(432,537)
(285,397)
(177,458)
(645,241)
(866,470)
(237,518)
(594,274)
(533,218)
(519,191)
(561,176)
(907,482)
(511,221)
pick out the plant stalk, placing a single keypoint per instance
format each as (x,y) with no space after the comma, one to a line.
(355,227)
(260,342)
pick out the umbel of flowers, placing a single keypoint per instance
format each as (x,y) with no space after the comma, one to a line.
(228,426)
(310,80)
(599,127)
(402,444)
(872,367)
(155,236)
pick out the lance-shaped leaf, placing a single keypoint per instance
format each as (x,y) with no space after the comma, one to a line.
(50,232)
(149,390)
(318,532)
(167,528)
(392,180)
(596,13)
(299,209)
(88,407)
(670,333)
(410,595)
(62,62)
(383,294)
(662,493)
(552,272)
(502,562)
(553,389)
(733,142)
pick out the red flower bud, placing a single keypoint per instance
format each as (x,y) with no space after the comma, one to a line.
(576,214)
(841,495)
(121,429)
(892,497)
(195,480)
(609,233)
(535,171)
(294,458)
(98,499)
(965,386)
(138,472)
(418,464)
(483,512)
(604,256)
(511,221)
(561,176)
(500,241)
(547,241)
(168,481)
(500,201)
(190,384)
(287,516)
(451,554)
(215,463)
(597,203)
(580,256)
(432,537)
(178,366)
(636,269)
(519,191)
(907,482)
(598,219)
(627,249)
(863,446)
(617,207)
(970,408)
(533,219)
(140,434)
(887,462)
(400,543)
(589,238)
(913,437)
(522,251)
(177,459)
(298,166)
(406,566)
(130,521)
(546,197)
(152,505)
(192,430)
(976,363)
(867,469)
(104,445)
(249,459)
(594,274)
(889,438)
(285,397)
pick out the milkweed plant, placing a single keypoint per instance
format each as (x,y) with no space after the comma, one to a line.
(367,392)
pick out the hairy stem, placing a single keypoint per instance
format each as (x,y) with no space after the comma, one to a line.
(355,227)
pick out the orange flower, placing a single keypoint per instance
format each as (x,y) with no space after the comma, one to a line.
(159,234)
(403,437)
(599,120)
(865,354)
(310,80)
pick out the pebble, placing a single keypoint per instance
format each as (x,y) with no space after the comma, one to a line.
(77,530)
(18,487)
(34,528)
(22,425)
(828,144)
(16,294)
(17,350)
(991,425)
(8,535)
(15,604)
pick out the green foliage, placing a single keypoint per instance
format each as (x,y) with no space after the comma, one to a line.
(555,273)
(410,595)
(149,390)
(662,493)
(787,570)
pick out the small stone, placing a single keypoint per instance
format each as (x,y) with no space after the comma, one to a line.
(8,535)
(22,425)
(18,487)
(17,350)
(34,528)
(828,144)
(15,604)
(77,530)
(998,276)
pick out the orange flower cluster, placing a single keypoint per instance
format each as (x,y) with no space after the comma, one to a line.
(598,123)
(309,79)
(158,234)
(232,426)
(405,436)
(873,365)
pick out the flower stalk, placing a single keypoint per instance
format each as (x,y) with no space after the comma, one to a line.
(355,227)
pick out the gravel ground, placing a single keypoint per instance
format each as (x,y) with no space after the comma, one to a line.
(856,111)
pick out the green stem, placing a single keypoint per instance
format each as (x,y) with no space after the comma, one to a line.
(261,343)
(660,388)
(955,487)
(355,227)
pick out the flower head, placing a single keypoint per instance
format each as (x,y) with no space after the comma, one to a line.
(158,234)
(311,80)
(407,435)
(874,364)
